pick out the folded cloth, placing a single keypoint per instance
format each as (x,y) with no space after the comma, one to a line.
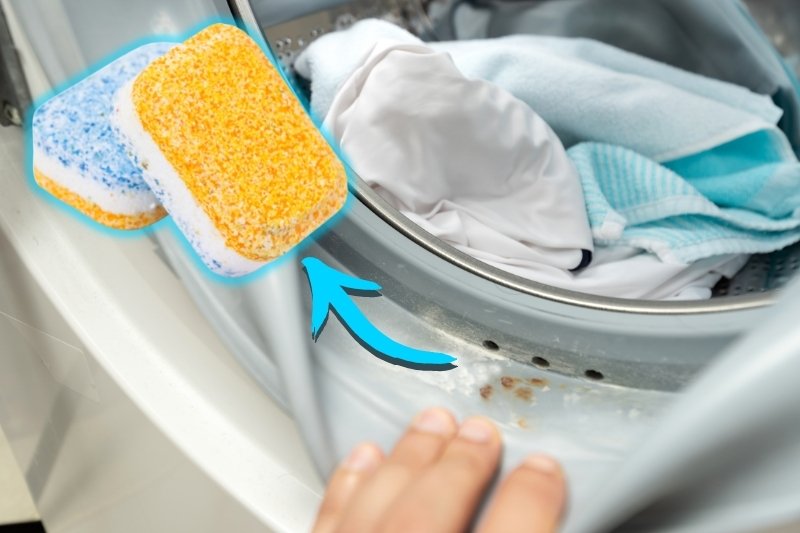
(463,158)
(698,167)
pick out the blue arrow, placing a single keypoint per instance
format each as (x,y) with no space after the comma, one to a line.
(331,290)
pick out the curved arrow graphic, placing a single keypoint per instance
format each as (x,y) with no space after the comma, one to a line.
(331,291)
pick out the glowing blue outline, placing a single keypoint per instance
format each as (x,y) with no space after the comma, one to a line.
(167,221)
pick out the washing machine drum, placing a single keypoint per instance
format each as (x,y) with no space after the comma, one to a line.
(610,366)
(715,39)
(657,345)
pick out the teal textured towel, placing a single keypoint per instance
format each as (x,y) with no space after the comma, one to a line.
(741,197)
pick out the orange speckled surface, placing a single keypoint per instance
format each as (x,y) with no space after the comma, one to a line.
(93,211)
(241,142)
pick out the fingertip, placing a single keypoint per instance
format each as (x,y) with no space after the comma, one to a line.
(436,421)
(543,464)
(351,474)
(364,457)
(544,477)
(479,430)
(531,498)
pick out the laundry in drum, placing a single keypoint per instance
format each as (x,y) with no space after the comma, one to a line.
(229,150)
(525,151)
(80,159)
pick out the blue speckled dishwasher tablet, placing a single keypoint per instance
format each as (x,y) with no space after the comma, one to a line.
(78,156)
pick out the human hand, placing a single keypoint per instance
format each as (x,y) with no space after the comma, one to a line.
(434,480)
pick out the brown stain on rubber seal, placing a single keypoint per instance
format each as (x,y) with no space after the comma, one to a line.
(538,382)
(524,393)
(508,382)
(522,388)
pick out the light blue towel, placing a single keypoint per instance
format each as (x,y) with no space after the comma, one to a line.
(668,209)
(672,162)
(590,91)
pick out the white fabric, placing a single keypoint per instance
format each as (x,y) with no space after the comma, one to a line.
(330,60)
(467,161)
(614,96)
(477,168)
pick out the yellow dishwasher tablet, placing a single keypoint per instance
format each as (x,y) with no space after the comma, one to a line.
(229,150)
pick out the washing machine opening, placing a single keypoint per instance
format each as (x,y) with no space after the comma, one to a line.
(652,30)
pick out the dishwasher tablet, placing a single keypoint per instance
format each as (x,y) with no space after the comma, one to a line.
(79,158)
(229,151)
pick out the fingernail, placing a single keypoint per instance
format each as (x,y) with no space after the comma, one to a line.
(436,421)
(476,430)
(542,463)
(363,457)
